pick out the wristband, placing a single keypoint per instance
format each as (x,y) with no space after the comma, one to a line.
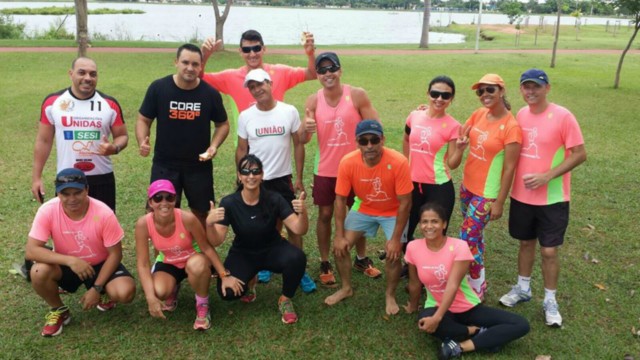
(224,274)
(117,149)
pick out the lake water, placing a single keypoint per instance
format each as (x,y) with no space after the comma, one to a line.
(279,26)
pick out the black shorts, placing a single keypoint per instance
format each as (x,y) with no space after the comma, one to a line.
(71,282)
(282,186)
(547,223)
(103,188)
(196,183)
(176,272)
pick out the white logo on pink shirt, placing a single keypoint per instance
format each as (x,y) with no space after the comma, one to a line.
(83,248)
(530,148)
(423,146)
(340,138)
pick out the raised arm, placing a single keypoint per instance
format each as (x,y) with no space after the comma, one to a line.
(310,50)
(298,222)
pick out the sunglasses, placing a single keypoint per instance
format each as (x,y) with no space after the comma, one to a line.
(488,89)
(254,48)
(254,171)
(436,94)
(66,179)
(331,68)
(157,198)
(375,140)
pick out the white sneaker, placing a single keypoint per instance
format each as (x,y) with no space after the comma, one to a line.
(514,296)
(552,315)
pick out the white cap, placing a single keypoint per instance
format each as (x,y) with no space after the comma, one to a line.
(258,75)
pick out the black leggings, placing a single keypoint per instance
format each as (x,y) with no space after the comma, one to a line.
(443,194)
(502,326)
(282,258)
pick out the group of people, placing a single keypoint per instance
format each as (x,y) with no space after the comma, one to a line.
(358,182)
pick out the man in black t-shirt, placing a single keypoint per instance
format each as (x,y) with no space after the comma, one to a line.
(184,106)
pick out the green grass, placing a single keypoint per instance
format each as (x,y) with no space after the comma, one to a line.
(597,323)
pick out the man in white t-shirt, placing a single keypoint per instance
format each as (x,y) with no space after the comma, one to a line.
(268,129)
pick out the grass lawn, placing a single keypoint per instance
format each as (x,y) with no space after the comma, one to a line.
(603,224)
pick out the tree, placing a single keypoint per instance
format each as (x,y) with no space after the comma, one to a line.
(426,17)
(82,27)
(630,7)
(221,19)
(556,35)
(513,10)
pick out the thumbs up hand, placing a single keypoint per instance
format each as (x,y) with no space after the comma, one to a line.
(145,147)
(298,204)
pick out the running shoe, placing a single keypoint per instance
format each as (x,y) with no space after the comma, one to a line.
(56,319)
(514,296)
(449,349)
(171,303)
(307,284)
(366,266)
(203,319)
(552,315)
(289,315)
(250,296)
(326,274)
(106,303)
(264,276)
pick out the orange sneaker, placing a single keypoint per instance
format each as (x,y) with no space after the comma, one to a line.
(326,274)
(366,266)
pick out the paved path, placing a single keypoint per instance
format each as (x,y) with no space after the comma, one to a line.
(341,51)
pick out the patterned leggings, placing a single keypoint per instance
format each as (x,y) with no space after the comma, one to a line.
(475,216)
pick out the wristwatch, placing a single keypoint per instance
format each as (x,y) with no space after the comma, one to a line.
(99,289)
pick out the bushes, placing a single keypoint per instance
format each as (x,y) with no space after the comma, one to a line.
(9,29)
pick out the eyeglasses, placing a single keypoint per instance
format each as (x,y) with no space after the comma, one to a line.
(157,198)
(254,48)
(66,179)
(374,140)
(331,68)
(488,89)
(436,94)
(254,171)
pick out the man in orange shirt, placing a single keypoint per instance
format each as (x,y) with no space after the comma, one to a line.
(381,181)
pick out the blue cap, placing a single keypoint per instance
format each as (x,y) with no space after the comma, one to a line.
(369,127)
(70,178)
(536,75)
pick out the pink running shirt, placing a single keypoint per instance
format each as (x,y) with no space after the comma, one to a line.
(428,145)
(434,268)
(87,239)
(547,138)
(177,248)
(336,129)
(231,82)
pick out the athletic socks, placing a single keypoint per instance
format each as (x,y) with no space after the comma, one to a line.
(549,294)
(202,300)
(524,283)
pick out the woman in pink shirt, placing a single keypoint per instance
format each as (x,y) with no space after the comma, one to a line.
(430,145)
(184,252)
(453,312)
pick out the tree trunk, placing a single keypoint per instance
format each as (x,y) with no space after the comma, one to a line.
(82,27)
(220,20)
(556,36)
(616,83)
(426,16)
